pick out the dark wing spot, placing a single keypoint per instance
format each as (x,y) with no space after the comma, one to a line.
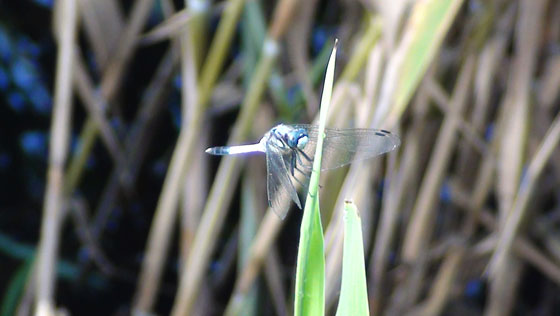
(380,134)
(385,131)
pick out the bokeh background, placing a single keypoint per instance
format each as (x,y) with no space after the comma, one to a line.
(109,206)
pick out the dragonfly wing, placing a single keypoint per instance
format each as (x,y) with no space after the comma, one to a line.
(279,186)
(344,146)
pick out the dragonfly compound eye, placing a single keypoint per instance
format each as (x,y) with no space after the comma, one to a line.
(302,141)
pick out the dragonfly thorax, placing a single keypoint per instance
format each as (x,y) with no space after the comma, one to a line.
(288,137)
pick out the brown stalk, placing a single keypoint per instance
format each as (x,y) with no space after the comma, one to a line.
(421,222)
(504,268)
(58,150)
(400,183)
(103,23)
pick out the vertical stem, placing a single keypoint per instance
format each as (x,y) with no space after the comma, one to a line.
(54,198)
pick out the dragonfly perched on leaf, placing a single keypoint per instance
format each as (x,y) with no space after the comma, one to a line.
(290,149)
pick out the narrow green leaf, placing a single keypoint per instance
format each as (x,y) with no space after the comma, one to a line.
(429,22)
(353,299)
(310,271)
(15,288)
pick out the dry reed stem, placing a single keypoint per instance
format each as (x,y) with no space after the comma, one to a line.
(299,37)
(443,284)
(505,269)
(523,247)
(399,184)
(486,72)
(109,86)
(171,27)
(182,157)
(551,81)
(465,128)
(103,23)
(162,225)
(273,277)
(127,42)
(95,105)
(138,138)
(526,190)
(58,150)
(420,225)
(195,186)
(219,198)
(78,212)
(194,195)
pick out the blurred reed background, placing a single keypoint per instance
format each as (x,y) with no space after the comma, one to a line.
(110,206)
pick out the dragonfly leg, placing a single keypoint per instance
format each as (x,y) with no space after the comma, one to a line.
(293,163)
(307,175)
(303,185)
(300,161)
(304,155)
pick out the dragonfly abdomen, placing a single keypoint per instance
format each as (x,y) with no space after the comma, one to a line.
(234,150)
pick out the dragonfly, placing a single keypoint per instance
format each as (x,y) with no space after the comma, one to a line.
(290,150)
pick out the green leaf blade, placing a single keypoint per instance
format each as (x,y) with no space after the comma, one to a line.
(310,271)
(353,299)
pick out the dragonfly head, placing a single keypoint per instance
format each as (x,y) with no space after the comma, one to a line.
(297,138)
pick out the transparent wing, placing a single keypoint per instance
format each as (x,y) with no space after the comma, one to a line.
(344,146)
(278,183)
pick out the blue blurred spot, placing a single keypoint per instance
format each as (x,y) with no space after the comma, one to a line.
(156,15)
(16,101)
(35,187)
(40,99)
(4,79)
(177,82)
(159,168)
(489,133)
(23,74)
(112,225)
(474,288)
(175,114)
(383,185)
(34,143)
(118,125)
(92,63)
(216,266)
(318,40)
(74,143)
(139,258)
(392,257)
(5,45)
(475,7)
(114,219)
(445,192)
(292,93)
(5,160)
(83,254)
(91,163)
(524,180)
(136,208)
(26,46)
(44,3)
